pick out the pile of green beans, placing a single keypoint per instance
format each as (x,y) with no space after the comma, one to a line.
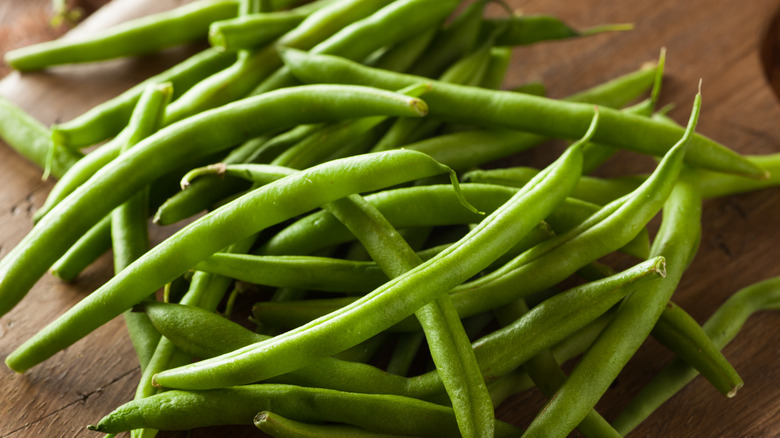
(392,298)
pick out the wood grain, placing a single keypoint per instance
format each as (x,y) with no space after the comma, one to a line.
(717,40)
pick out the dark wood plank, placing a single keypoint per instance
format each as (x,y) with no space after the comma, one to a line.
(718,41)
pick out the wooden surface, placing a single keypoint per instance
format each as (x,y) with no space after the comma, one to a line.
(716,40)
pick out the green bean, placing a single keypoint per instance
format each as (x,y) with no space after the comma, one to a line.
(530,29)
(715,185)
(256,30)
(327,141)
(251,68)
(191,329)
(452,42)
(295,348)
(447,340)
(216,230)
(406,348)
(676,330)
(32,140)
(386,26)
(721,327)
(109,118)
(198,136)
(471,105)
(591,189)
(547,375)
(129,234)
(468,70)
(280,427)
(419,206)
(558,317)
(402,55)
(677,240)
(498,66)
(302,272)
(610,227)
(94,243)
(182,410)
(136,37)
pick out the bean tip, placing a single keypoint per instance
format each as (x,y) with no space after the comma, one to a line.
(154,382)
(93,428)
(733,392)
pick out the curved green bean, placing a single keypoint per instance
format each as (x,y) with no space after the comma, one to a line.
(721,327)
(677,241)
(185,141)
(394,300)
(136,37)
(280,200)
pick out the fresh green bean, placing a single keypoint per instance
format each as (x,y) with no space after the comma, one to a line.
(497,68)
(401,56)
(721,327)
(677,240)
(386,26)
(452,42)
(109,118)
(32,140)
(302,272)
(280,427)
(471,105)
(182,410)
(547,375)
(447,340)
(422,206)
(295,348)
(94,243)
(136,37)
(253,67)
(198,136)
(676,330)
(552,261)
(529,29)
(216,230)
(406,348)
(129,233)
(591,189)
(256,30)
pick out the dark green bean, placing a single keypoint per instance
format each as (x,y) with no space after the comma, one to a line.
(136,37)
(471,105)
(721,327)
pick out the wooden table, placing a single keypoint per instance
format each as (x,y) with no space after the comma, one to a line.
(717,40)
